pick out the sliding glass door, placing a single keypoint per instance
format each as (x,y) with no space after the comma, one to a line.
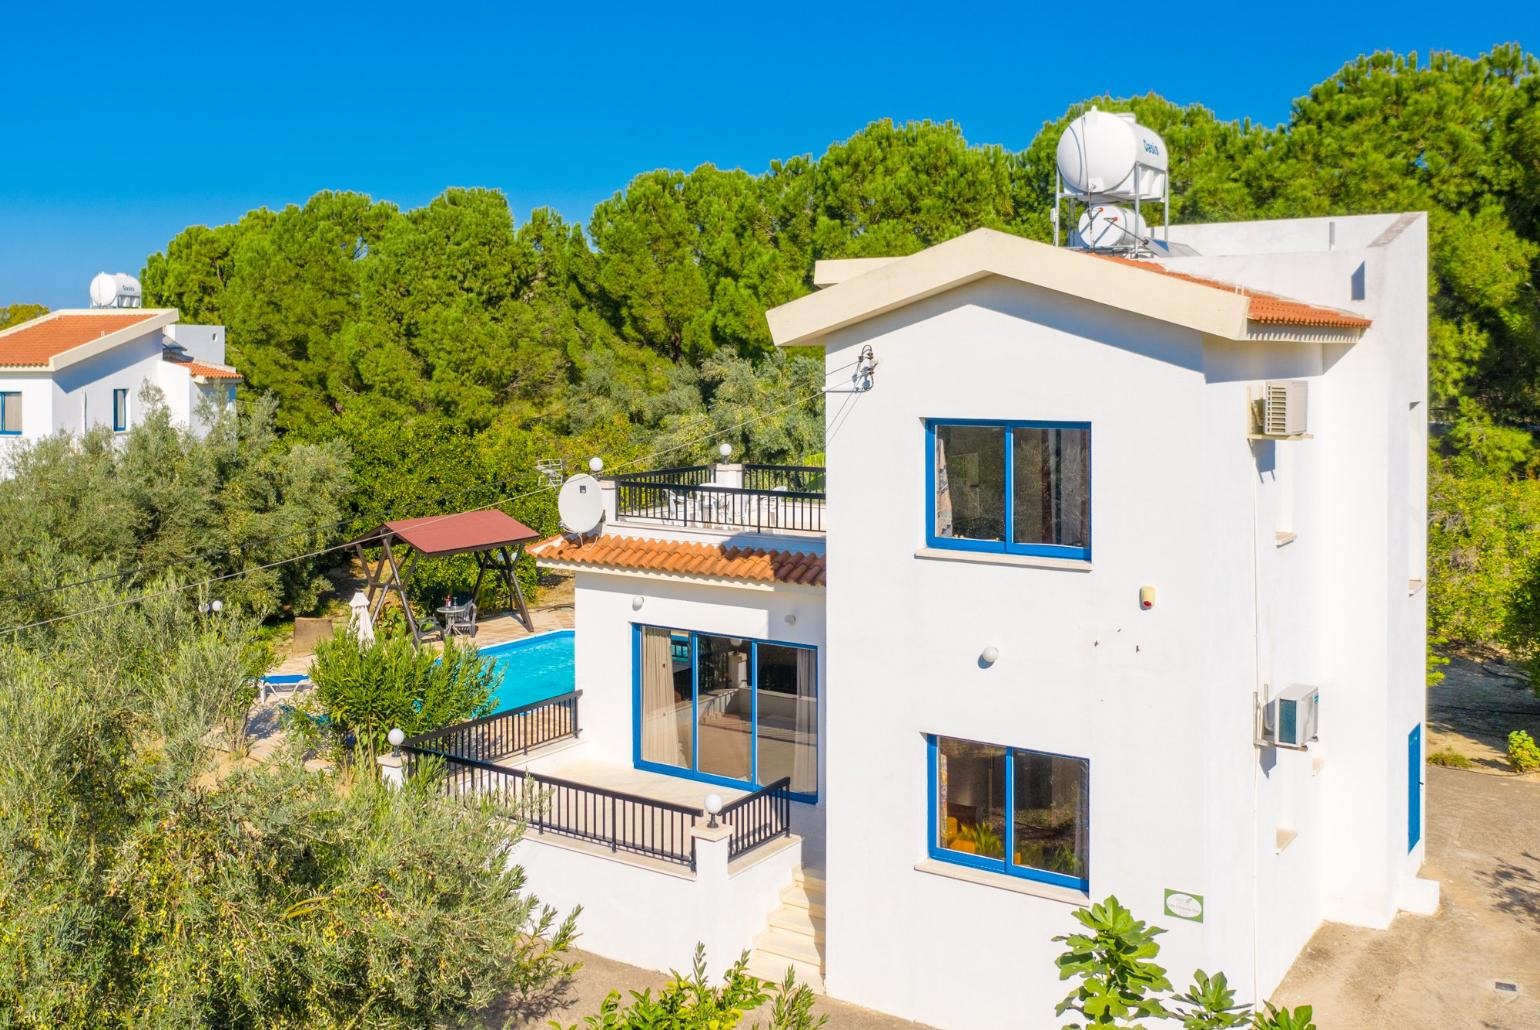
(729,710)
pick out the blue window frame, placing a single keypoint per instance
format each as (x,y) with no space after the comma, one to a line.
(10,414)
(733,711)
(119,411)
(1014,487)
(1009,810)
(230,394)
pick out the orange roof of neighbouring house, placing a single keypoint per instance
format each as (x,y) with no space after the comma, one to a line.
(687,558)
(198,368)
(1265,307)
(39,341)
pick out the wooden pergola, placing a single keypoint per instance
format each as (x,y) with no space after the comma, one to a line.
(494,538)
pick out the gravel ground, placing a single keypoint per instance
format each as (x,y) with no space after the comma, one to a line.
(1439,971)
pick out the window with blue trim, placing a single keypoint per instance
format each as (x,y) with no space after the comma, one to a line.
(119,411)
(1009,810)
(10,414)
(1014,487)
(728,710)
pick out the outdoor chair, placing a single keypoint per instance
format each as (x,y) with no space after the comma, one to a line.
(461,622)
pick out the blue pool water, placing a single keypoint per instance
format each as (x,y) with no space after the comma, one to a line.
(532,669)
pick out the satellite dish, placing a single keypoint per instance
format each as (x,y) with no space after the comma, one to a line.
(116,290)
(581,505)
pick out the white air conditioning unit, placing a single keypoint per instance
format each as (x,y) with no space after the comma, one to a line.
(1283,407)
(1292,719)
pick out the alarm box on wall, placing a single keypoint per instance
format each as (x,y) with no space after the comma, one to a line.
(1292,719)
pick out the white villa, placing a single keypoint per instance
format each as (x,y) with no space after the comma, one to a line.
(69,370)
(1093,536)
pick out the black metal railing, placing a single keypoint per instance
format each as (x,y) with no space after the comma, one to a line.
(677,497)
(515,731)
(803,478)
(547,804)
(758,818)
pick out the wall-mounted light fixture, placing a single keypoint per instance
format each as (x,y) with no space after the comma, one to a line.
(637,602)
(791,618)
(990,655)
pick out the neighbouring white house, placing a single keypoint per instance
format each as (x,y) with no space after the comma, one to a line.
(70,370)
(1112,584)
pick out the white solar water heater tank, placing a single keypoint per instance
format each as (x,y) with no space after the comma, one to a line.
(1100,151)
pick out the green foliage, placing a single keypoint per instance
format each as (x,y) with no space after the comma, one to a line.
(1209,1004)
(1274,1018)
(16,314)
(451,347)
(1449,760)
(692,1003)
(1118,981)
(1523,752)
(1120,984)
(222,506)
(147,881)
(368,689)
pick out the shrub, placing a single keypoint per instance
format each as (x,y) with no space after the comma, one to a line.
(1449,760)
(367,689)
(692,1003)
(142,884)
(1523,753)
(1122,986)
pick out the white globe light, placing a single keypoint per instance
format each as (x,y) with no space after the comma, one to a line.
(218,606)
(713,803)
(990,655)
(396,736)
(596,464)
(637,602)
(725,450)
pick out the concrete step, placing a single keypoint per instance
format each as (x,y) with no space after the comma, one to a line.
(808,876)
(800,895)
(798,920)
(799,946)
(772,968)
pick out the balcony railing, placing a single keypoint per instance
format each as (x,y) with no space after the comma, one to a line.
(547,804)
(759,817)
(515,731)
(459,761)
(772,498)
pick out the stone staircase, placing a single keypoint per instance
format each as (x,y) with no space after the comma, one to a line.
(794,937)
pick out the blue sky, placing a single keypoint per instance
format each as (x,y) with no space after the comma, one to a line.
(119,134)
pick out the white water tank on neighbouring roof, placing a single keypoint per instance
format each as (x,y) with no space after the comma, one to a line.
(1102,154)
(1110,227)
(116,290)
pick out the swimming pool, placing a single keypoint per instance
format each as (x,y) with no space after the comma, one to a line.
(531,669)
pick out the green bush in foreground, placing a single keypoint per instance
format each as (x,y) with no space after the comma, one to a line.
(1121,985)
(1449,760)
(692,1003)
(1523,753)
(369,689)
(147,880)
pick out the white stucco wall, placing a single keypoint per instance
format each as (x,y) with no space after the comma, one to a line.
(1160,702)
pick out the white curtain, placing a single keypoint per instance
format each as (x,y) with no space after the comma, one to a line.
(660,732)
(804,770)
(943,525)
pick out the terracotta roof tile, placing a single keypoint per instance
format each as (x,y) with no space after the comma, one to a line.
(37,342)
(687,558)
(1266,308)
(198,368)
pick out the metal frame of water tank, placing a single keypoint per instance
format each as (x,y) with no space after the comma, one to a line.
(1090,200)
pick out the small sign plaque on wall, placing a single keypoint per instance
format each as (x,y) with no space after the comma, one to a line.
(1184,905)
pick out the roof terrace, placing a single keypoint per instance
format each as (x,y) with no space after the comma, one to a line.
(733,498)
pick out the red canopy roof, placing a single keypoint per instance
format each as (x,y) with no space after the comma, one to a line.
(460,533)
